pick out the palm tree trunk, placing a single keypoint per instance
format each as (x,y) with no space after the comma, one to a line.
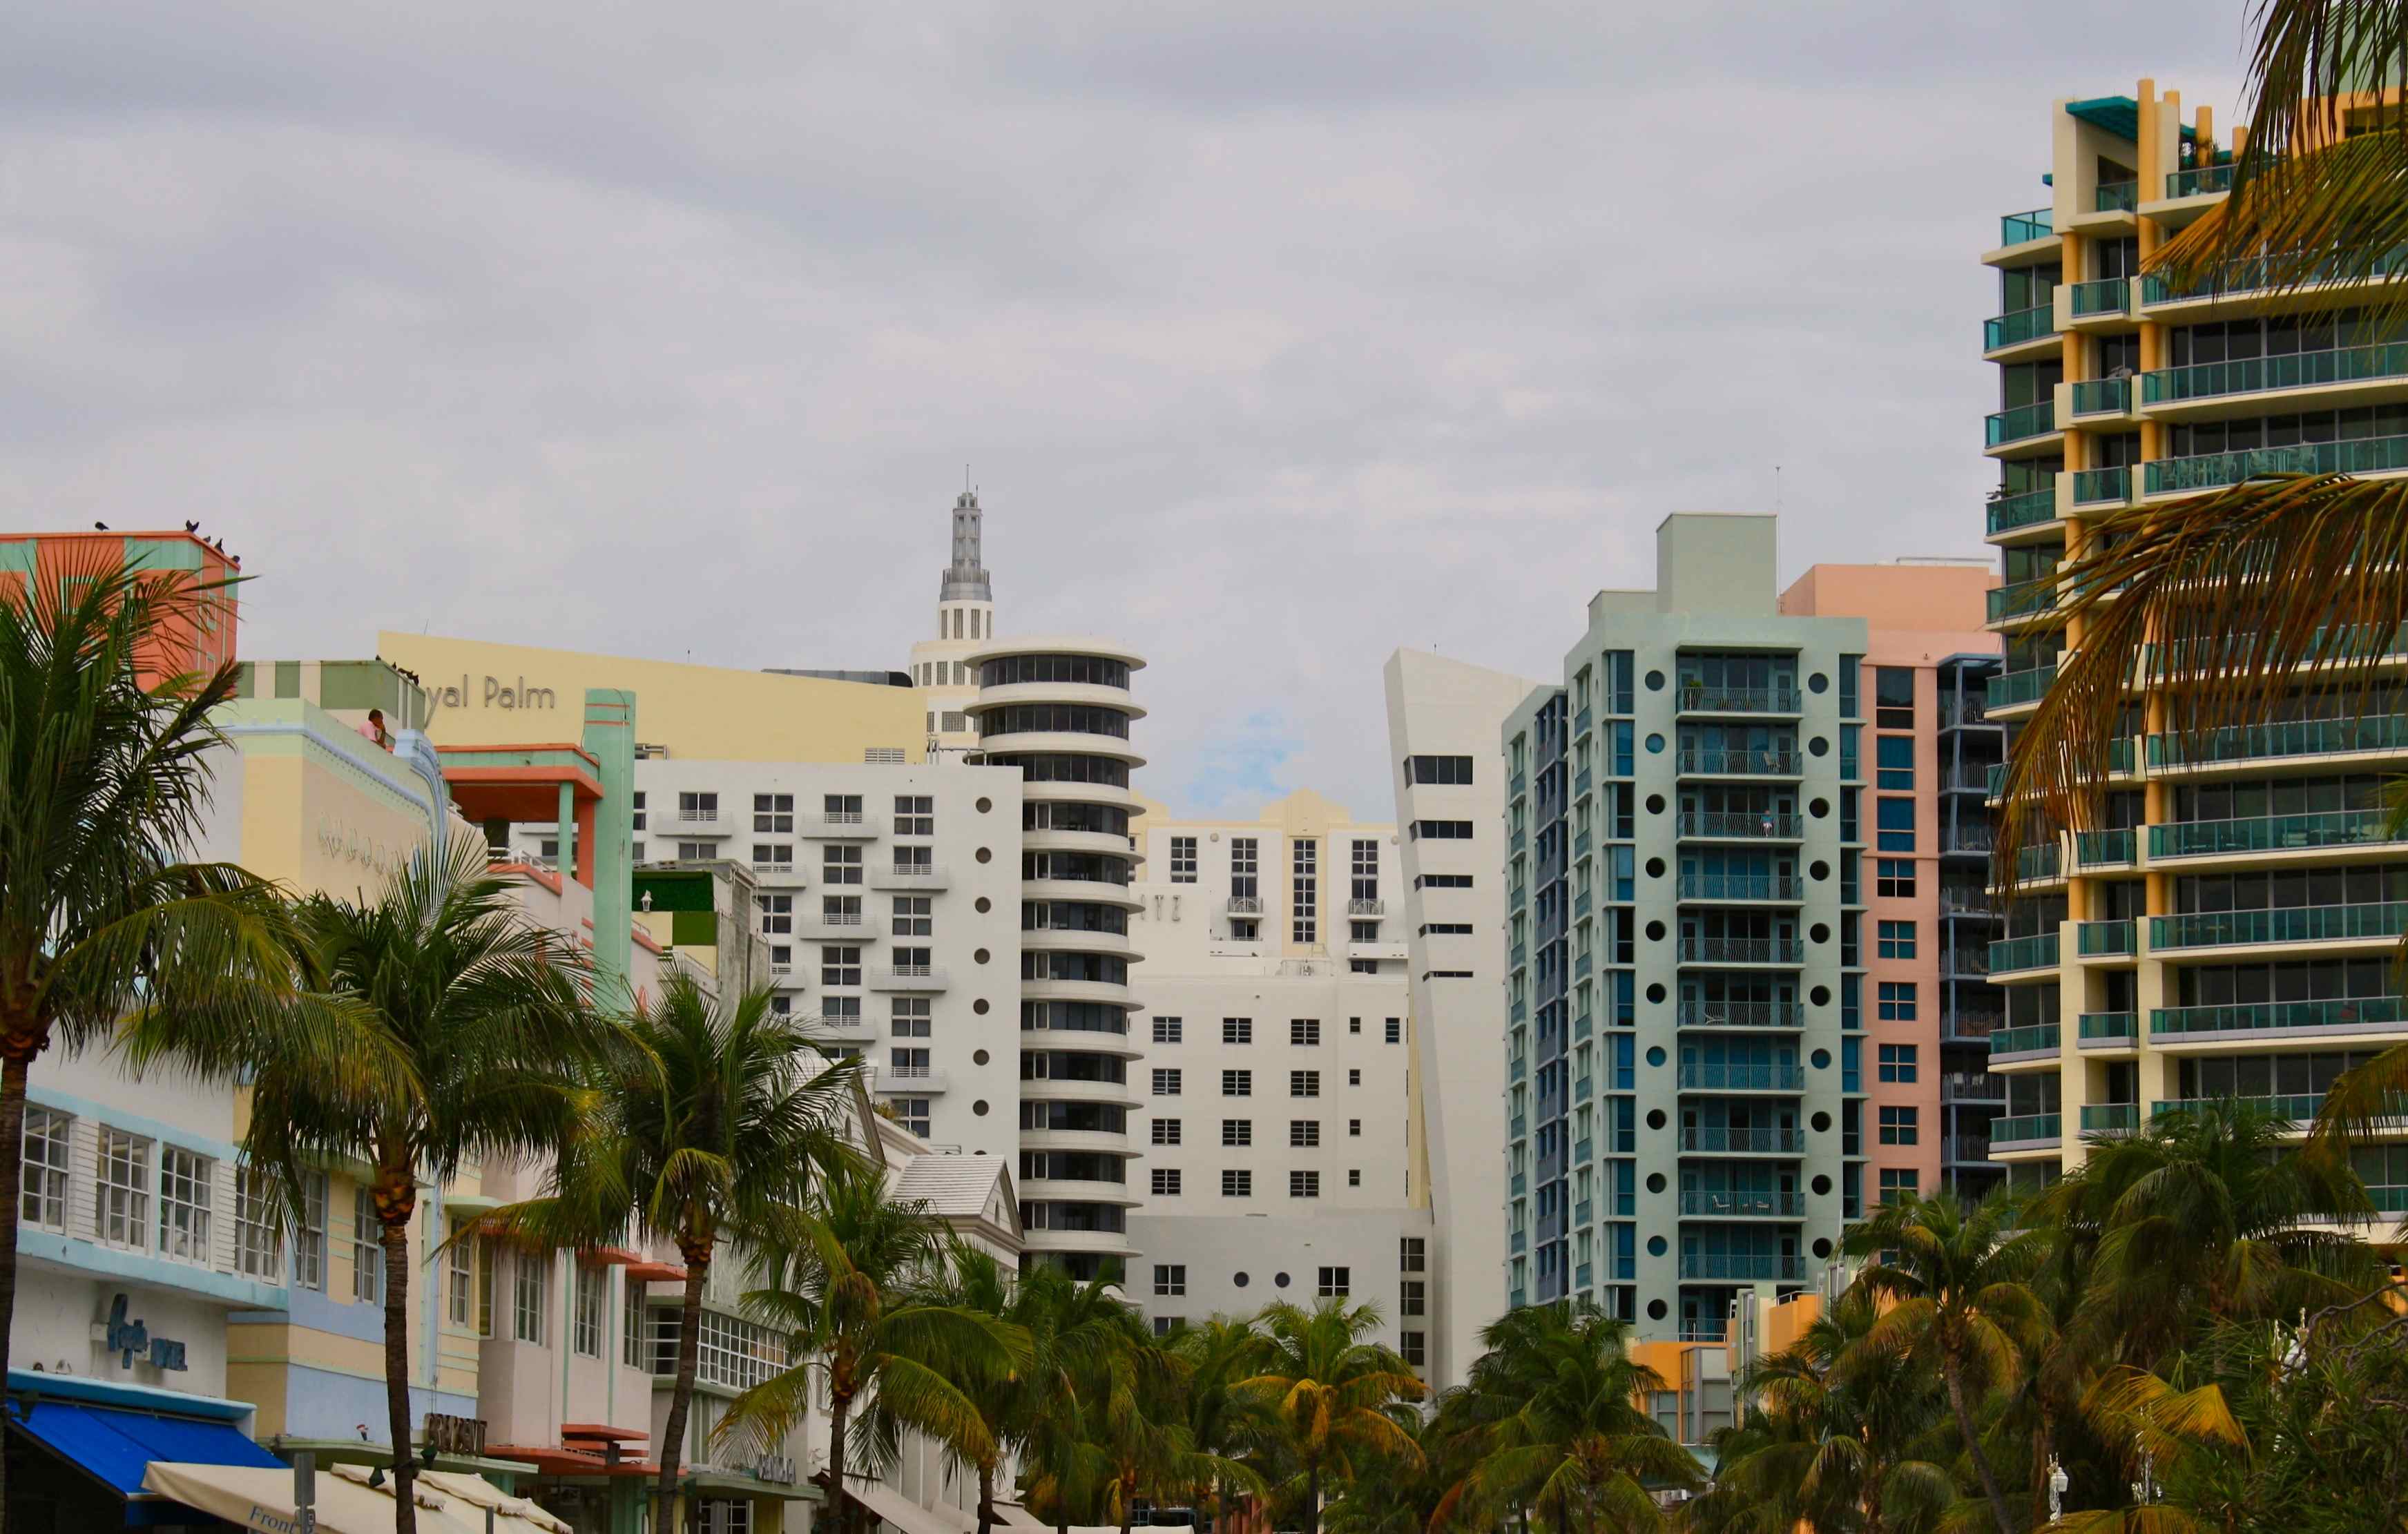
(1312,1500)
(697,1273)
(1954,1380)
(986,1499)
(840,1505)
(1128,1498)
(12,1153)
(395,1234)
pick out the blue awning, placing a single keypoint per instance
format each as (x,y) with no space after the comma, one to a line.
(115,1447)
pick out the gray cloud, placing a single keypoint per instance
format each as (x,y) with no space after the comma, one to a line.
(1276,337)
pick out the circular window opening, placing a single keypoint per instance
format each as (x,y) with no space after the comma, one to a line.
(981,905)
(1821,1058)
(1654,745)
(1818,682)
(1654,681)
(986,805)
(1656,992)
(1655,1310)
(1655,1246)
(979,1108)
(1820,932)
(1822,1246)
(1654,1118)
(1240,1280)
(977,1056)
(1654,1054)
(1654,804)
(1655,932)
(1819,808)
(1822,1123)
(1279,1281)
(1655,868)
(1818,747)
(985,854)
(981,955)
(979,1006)
(1822,1185)
(1655,1182)
(1820,995)
(1819,870)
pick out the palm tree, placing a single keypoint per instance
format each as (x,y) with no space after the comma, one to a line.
(1084,1345)
(486,1011)
(1572,1441)
(1955,1281)
(1223,1418)
(708,1123)
(1331,1391)
(104,914)
(862,1308)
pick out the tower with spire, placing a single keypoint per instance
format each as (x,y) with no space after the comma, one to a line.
(965,579)
(940,667)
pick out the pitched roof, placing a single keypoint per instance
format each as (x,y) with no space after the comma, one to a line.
(953,1186)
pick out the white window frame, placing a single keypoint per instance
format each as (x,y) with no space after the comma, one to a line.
(187,1183)
(258,1226)
(592,1295)
(367,1247)
(122,1190)
(530,1277)
(47,1182)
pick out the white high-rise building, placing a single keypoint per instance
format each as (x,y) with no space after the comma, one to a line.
(1443,721)
(1280,1127)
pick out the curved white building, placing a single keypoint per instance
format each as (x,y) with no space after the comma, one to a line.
(1059,709)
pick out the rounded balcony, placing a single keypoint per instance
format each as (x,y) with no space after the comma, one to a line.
(1116,698)
(1092,891)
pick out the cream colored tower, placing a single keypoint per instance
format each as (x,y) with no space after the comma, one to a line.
(965,625)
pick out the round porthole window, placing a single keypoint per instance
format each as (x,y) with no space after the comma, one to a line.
(1822,1123)
(1654,804)
(1818,682)
(1655,1182)
(979,1108)
(1820,932)
(1821,1059)
(1279,1281)
(1818,747)
(1819,870)
(1819,808)
(1657,1246)
(1654,681)
(979,1006)
(1656,992)
(1822,1246)
(981,905)
(1240,1280)
(1655,932)
(1655,868)
(979,1056)
(981,957)
(986,805)
(1654,1118)
(1654,745)
(1820,995)
(1821,1185)
(1656,1310)
(1655,1054)
(984,854)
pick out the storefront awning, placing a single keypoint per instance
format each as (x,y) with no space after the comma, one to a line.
(115,1447)
(254,1498)
(892,1507)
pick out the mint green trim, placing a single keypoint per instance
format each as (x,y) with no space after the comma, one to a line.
(287,679)
(305,726)
(162,553)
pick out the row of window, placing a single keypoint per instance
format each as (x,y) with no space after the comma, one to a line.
(1168,1080)
(1238,1183)
(774,813)
(1303,1032)
(1303,1134)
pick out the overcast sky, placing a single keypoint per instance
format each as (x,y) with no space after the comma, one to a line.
(1276,335)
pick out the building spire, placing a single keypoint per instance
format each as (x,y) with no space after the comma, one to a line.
(965,579)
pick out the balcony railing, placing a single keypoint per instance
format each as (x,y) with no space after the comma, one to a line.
(1972,1086)
(2199,178)
(1968,1024)
(2019,424)
(1727,1076)
(1741,886)
(1738,826)
(1768,1140)
(2298,1107)
(1360,905)
(2023,228)
(1743,1265)
(2097,486)
(1700,697)
(2288,370)
(2021,326)
(2033,506)
(2037,952)
(2110,1117)
(2029,1039)
(1742,1203)
(2016,601)
(2274,1016)
(2028,1129)
(2105,849)
(1704,950)
(2288,925)
(2040,863)
(1741,1014)
(2106,1028)
(2267,834)
(698,817)
(1965,1148)
(1741,762)
(2104,940)
(2104,296)
(2292,738)
(1242,904)
(2116,197)
(2258,273)
(2102,396)
(2215,470)
(2010,688)
(2333,642)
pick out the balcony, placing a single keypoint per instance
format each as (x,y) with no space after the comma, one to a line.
(2267,834)
(2023,424)
(1242,905)
(1721,1076)
(2009,513)
(1715,1140)
(2372,923)
(1969,841)
(2012,689)
(2023,228)
(2029,1132)
(2266,374)
(2279,1016)
(1977,1086)
(2105,1030)
(1741,1265)
(1741,1014)
(2115,196)
(2018,327)
(2261,274)
(2020,600)
(1970,1024)
(909,977)
(2294,738)
(1580,782)
(922,1080)
(841,926)
(2031,1039)
(1741,1204)
(1360,906)
(908,875)
(1965,1150)
(1777,887)
(2103,486)
(1740,762)
(1728,826)
(2110,1117)
(2215,470)
(2040,863)
(2037,952)
(2199,180)
(2300,1107)
(2104,940)
(2104,296)
(1581,721)
(1779,951)
(838,826)
(2105,849)
(1698,697)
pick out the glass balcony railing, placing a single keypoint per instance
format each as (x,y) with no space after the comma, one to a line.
(2334,642)
(2031,508)
(2015,329)
(2095,939)
(1996,782)
(1580,782)
(1743,1141)
(2215,470)
(2037,952)
(2107,295)
(2043,861)
(2024,596)
(1742,1203)
(2260,274)
(2260,375)
(2028,1129)
(2031,1038)
(2292,738)
(2102,1027)
(2103,486)
(1741,886)
(2021,424)
(2101,397)
(2115,196)
(2289,924)
(2199,178)
(2010,688)
(1744,1266)
(1740,826)
(2267,834)
(1698,697)
(1700,950)
(2298,1107)
(1741,1014)
(1721,1076)
(2110,1117)
(2023,228)
(2276,1016)
(1741,761)
(2102,849)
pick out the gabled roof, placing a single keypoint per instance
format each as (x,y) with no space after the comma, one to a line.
(954,1187)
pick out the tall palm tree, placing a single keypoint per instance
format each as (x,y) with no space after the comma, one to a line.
(1223,1418)
(1085,1345)
(1571,1441)
(1955,1281)
(486,1008)
(708,1123)
(863,1311)
(105,914)
(1331,1391)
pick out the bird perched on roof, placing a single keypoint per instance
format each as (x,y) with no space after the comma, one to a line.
(101,527)
(192,527)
